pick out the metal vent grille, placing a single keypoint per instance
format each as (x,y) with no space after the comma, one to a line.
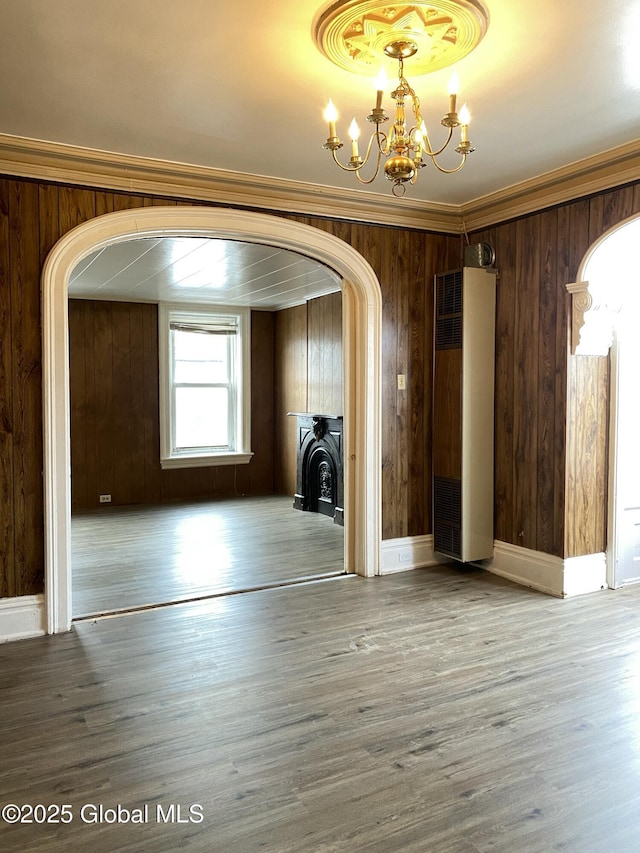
(449,310)
(447,516)
(447,540)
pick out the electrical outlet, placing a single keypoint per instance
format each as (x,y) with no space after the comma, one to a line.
(402,382)
(105,499)
(404,556)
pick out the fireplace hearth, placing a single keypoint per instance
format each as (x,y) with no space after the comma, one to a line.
(319,481)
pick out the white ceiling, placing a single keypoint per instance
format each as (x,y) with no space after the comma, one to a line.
(198,270)
(241,86)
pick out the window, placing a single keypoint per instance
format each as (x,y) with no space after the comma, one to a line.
(204,386)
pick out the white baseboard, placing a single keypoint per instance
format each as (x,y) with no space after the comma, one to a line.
(534,569)
(547,573)
(408,552)
(22,617)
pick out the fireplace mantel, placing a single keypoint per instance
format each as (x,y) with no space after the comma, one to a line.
(319,480)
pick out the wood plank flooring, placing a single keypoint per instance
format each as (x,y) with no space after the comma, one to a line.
(431,711)
(127,557)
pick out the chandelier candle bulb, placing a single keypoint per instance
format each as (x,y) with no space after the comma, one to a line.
(454,86)
(380,84)
(419,142)
(465,118)
(354,134)
(331,115)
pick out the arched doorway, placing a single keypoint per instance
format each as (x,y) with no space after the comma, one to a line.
(605,319)
(362,323)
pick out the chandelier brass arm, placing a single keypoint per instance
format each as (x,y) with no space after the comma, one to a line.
(356,162)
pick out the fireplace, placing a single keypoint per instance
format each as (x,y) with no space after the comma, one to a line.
(319,481)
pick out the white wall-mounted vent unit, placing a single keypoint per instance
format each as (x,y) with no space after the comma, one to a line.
(463,413)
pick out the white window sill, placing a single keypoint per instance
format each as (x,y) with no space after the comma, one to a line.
(205,461)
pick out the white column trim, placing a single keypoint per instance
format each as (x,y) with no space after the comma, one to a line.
(362,336)
(585,574)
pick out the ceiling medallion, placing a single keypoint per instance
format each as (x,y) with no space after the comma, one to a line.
(353,34)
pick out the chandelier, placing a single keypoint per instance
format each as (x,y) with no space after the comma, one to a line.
(357,34)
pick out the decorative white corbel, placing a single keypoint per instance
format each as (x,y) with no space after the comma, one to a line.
(592,322)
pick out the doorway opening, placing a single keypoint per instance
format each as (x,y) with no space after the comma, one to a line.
(183,457)
(362,323)
(609,269)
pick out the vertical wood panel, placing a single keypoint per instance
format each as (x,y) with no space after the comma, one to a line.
(75,206)
(90,408)
(505,246)
(290,391)
(545,521)
(261,468)
(27,388)
(103,390)
(50,231)
(391,524)
(404,281)
(151,412)
(122,426)
(617,205)
(418,404)
(582,498)
(578,237)
(563,277)
(324,354)
(7,504)
(136,416)
(328,342)
(315,330)
(79,395)
(526,389)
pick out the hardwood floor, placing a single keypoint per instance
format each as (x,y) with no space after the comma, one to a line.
(432,711)
(131,557)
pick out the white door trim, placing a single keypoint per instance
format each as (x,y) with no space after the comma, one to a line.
(361,335)
(613,514)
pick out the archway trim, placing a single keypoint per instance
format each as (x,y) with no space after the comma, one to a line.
(594,310)
(362,334)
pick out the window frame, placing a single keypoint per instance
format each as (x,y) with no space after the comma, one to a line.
(198,315)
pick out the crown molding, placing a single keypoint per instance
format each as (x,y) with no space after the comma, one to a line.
(69,164)
(611,168)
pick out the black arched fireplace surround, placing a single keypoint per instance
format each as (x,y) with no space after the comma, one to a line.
(319,480)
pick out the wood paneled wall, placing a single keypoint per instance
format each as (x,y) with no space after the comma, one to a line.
(115,444)
(324,355)
(551,407)
(537,256)
(308,374)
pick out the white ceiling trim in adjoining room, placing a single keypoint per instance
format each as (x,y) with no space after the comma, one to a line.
(201,270)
